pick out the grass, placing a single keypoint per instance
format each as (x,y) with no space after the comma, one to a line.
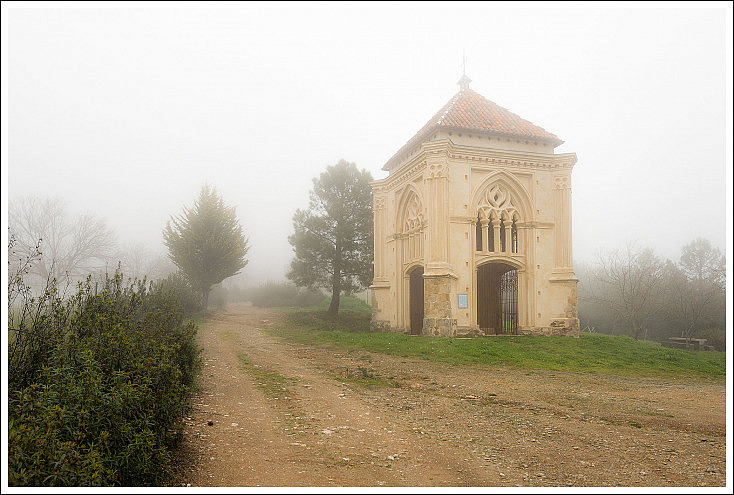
(591,353)
(274,385)
(346,303)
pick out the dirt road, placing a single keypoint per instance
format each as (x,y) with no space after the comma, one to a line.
(290,415)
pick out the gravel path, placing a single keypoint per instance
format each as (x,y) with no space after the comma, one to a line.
(292,415)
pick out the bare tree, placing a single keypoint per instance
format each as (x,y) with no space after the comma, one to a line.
(630,282)
(70,246)
(138,261)
(696,285)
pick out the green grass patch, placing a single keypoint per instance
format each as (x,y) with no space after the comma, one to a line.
(346,304)
(368,379)
(274,385)
(591,353)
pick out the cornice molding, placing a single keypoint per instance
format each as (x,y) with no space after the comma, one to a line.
(407,174)
(478,158)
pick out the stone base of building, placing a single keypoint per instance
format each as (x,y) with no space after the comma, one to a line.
(468,332)
(565,327)
(439,327)
(447,327)
(380,326)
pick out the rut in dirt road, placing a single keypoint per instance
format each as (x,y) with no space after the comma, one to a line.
(287,415)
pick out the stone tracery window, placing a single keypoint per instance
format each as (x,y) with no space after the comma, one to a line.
(412,228)
(497,219)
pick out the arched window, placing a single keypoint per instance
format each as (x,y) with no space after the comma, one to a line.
(412,228)
(497,208)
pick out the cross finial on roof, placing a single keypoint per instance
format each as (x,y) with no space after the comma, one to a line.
(464,81)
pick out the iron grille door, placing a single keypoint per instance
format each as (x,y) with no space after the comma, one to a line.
(508,295)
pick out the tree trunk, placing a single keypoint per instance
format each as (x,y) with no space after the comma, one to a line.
(334,306)
(336,283)
(636,331)
(205,298)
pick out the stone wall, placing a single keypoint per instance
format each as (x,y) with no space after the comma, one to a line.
(566,327)
(437,321)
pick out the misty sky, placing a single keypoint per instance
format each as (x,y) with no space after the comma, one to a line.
(127,112)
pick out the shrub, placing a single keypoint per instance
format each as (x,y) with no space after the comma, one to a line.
(190,298)
(715,337)
(101,405)
(273,294)
(347,303)
(218,297)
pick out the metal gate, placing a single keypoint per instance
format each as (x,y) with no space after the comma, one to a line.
(497,306)
(508,293)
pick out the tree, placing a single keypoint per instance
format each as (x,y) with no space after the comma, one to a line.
(630,283)
(333,238)
(138,261)
(700,261)
(70,246)
(206,242)
(697,286)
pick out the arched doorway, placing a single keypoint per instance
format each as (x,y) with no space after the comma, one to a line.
(497,308)
(416,300)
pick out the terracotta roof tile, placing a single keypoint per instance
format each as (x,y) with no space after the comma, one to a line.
(468,110)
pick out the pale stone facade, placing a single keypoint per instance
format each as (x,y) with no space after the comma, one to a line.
(476,188)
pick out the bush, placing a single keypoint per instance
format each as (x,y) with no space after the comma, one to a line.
(100,403)
(715,337)
(272,294)
(178,284)
(218,297)
(347,303)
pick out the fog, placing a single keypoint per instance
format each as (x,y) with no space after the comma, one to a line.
(125,113)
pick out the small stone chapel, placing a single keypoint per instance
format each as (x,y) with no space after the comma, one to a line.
(473,228)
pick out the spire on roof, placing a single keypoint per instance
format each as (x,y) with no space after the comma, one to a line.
(464,82)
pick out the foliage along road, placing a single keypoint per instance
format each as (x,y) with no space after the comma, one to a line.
(293,415)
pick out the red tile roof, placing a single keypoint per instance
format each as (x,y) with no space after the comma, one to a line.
(468,110)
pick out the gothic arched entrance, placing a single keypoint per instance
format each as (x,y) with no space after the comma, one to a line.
(416,300)
(497,308)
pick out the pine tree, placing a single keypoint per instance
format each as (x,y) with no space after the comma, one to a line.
(206,242)
(333,238)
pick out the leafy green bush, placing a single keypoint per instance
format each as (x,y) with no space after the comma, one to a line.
(103,404)
(189,297)
(273,294)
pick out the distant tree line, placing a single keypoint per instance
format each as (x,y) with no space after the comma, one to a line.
(73,246)
(635,292)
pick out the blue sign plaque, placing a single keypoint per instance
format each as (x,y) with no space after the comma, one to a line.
(463,301)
